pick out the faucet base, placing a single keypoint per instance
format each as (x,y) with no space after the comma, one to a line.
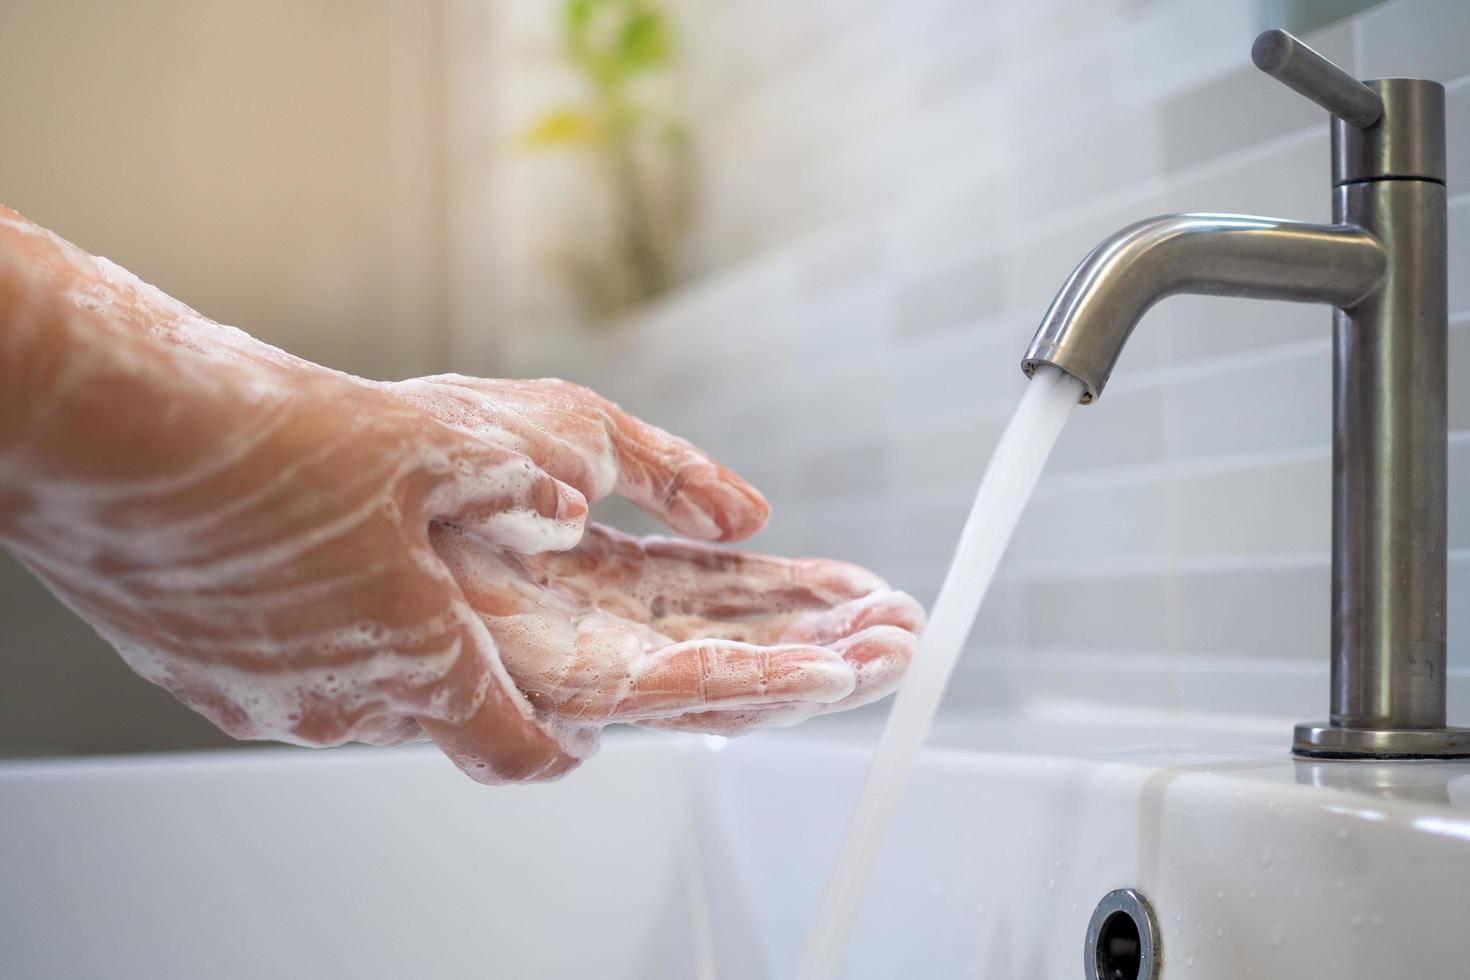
(1323,740)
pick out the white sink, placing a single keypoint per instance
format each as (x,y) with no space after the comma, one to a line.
(680,858)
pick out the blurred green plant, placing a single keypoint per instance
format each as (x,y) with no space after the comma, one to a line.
(616,47)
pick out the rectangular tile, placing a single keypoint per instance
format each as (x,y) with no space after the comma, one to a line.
(1281,614)
(1457,618)
(845,329)
(1459,255)
(1272,404)
(1458,464)
(1097,524)
(1074,165)
(1278,509)
(962,213)
(1197,327)
(1129,614)
(961,370)
(858,472)
(1459,372)
(1287,179)
(1415,39)
(957,293)
(1125,427)
(1457,137)
(925,536)
(950,454)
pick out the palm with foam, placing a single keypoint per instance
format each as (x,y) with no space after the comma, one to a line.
(665,632)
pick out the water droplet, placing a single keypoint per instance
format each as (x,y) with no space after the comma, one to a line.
(1219,896)
(1220,932)
(1343,833)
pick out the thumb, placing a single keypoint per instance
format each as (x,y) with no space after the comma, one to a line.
(507,500)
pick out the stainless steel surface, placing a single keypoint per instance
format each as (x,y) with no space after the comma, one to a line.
(1092,317)
(1407,142)
(1389,468)
(1293,63)
(1329,740)
(1144,960)
(1382,264)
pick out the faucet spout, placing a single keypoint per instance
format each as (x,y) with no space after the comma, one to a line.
(1092,317)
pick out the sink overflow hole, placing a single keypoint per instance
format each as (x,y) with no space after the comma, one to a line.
(1122,939)
(1118,952)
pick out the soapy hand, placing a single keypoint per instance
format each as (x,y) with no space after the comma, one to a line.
(663,632)
(306,556)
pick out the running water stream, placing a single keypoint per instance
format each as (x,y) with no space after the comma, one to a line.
(1009,479)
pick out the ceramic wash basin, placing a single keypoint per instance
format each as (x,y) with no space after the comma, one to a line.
(699,858)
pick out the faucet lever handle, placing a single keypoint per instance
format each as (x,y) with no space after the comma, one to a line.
(1289,61)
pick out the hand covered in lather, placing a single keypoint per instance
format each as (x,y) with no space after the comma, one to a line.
(306,556)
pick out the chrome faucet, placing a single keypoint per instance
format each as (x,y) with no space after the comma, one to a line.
(1382,264)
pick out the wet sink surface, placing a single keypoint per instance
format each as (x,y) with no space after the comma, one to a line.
(700,858)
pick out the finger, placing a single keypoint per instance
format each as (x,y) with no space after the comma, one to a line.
(507,500)
(879,656)
(713,673)
(604,669)
(818,626)
(741,583)
(669,578)
(492,580)
(572,430)
(572,446)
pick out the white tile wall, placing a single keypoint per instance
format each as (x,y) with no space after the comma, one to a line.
(893,192)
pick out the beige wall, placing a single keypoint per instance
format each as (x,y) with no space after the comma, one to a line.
(278,165)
